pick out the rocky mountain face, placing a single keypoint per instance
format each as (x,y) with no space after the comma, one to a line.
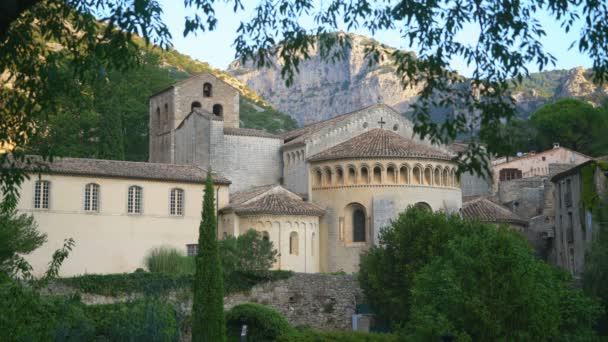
(324,89)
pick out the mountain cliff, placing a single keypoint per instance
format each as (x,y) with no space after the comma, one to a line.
(324,89)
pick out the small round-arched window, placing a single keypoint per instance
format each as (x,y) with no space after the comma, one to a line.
(207,90)
(218,110)
(395,127)
(195,104)
(365,125)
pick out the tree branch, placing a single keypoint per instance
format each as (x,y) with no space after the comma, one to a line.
(10,10)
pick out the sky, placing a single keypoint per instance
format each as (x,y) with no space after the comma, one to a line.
(216,47)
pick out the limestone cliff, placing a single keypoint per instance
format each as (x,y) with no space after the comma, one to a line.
(324,89)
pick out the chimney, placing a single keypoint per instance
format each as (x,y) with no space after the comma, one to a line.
(555,145)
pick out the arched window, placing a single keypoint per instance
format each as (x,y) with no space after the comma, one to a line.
(42,191)
(391,174)
(312,245)
(423,206)
(445,178)
(195,104)
(265,236)
(358,225)
(91,197)
(176,202)
(134,200)
(437,179)
(166,111)
(207,90)
(339,176)
(377,175)
(404,175)
(364,175)
(417,175)
(293,243)
(318,177)
(428,176)
(218,110)
(327,176)
(351,176)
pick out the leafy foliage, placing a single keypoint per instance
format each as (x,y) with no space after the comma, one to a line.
(265,118)
(26,316)
(142,320)
(153,284)
(574,124)
(387,270)
(263,323)
(247,252)
(159,284)
(208,304)
(489,286)
(19,236)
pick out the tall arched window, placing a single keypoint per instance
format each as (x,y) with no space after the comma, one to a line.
(91,197)
(207,90)
(428,176)
(391,174)
(351,175)
(358,225)
(293,243)
(437,178)
(218,110)
(377,175)
(42,190)
(195,104)
(417,173)
(176,202)
(423,206)
(134,200)
(404,175)
(318,177)
(364,175)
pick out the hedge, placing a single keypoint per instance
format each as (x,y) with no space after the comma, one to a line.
(308,335)
(264,323)
(160,283)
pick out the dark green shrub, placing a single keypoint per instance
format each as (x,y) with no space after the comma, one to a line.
(489,286)
(247,252)
(168,260)
(27,316)
(126,283)
(387,271)
(141,320)
(263,323)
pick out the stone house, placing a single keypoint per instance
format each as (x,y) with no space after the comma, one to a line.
(485,210)
(577,202)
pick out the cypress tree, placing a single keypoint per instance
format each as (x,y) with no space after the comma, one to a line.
(208,305)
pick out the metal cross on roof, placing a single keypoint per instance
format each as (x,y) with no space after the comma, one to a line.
(381,122)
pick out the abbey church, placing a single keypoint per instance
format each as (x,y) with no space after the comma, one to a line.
(320,193)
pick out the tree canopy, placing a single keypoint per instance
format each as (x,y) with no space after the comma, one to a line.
(509,39)
(572,123)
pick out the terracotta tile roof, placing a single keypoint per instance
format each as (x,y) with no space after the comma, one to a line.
(298,136)
(121,169)
(270,200)
(378,143)
(485,210)
(250,132)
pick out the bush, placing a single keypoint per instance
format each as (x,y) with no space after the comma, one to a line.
(247,252)
(387,271)
(263,323)
(27,316)
(168,260)
(307,335)
(141,320)
(488,286)
(127,283)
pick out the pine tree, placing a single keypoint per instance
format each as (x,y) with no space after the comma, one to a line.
(208,305)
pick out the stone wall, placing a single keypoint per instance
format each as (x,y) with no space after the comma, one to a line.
(320,301)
